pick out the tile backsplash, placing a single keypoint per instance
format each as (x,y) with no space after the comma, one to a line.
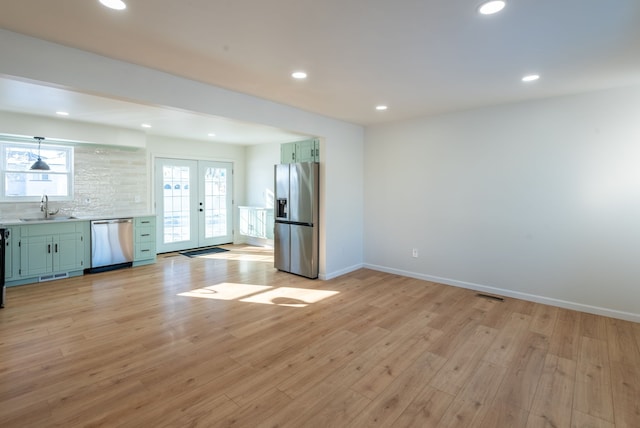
(108,181)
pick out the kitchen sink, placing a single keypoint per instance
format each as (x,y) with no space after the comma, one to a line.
(54,218)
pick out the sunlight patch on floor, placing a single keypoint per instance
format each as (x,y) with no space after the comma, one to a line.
(289,296)
(226,291)
(263,294)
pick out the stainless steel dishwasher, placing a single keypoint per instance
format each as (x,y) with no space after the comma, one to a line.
(111,244)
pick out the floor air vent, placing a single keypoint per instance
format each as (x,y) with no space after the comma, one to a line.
(53,276)
(488,296)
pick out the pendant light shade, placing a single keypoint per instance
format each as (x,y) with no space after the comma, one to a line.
(39,165)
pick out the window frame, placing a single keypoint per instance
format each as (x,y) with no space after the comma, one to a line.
(7,143)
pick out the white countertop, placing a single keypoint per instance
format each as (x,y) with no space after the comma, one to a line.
(64,218)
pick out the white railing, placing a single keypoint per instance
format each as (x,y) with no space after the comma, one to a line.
(256,222)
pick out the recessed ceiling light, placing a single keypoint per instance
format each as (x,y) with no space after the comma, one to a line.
(146,125)
(62,113)
(381,108)
(491,7)
(211,134)
(114,4)
(531,78)
(299,75)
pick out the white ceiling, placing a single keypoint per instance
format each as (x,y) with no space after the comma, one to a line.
(25,97)
(419,57)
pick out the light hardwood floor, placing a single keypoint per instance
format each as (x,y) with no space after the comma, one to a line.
(228,341)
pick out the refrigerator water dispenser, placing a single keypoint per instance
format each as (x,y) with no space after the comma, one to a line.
(282,209)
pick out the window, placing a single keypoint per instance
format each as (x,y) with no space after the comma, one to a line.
(19,183)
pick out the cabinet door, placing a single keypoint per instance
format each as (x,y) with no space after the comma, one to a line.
(36,255)
(305,151)
(316,150)
(288,153)
(8,255)
(68,252)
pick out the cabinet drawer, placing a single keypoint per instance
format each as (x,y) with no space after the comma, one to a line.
(145,250)
(145,240)
(145,222)
(145,234)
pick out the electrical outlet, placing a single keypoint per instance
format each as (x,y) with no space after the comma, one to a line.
(415,252)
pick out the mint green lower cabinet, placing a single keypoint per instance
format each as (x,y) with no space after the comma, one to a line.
(47,254)
(9,258)
(68,252)
(48,251)
(144,246)
(53,250)
(36,256)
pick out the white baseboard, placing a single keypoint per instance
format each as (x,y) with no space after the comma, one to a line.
(628,316)
(340,272)
(259,242)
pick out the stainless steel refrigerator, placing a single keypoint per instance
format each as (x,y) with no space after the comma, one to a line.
(296,218)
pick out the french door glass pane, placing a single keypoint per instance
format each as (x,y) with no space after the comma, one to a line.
(176,200)
(215,202)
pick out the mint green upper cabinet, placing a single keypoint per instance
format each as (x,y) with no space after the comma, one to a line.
(301,151)
(306,151)
(288,153)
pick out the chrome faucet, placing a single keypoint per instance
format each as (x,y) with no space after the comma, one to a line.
(44,206)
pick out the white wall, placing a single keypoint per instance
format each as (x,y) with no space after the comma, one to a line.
(342,143)
(260,160)
(539,200)
(341,179)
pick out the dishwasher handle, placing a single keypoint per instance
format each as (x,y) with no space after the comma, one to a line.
(119,220)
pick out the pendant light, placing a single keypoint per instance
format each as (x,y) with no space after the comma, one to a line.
(39,165)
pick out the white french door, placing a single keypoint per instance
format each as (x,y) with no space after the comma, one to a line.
(194,203)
